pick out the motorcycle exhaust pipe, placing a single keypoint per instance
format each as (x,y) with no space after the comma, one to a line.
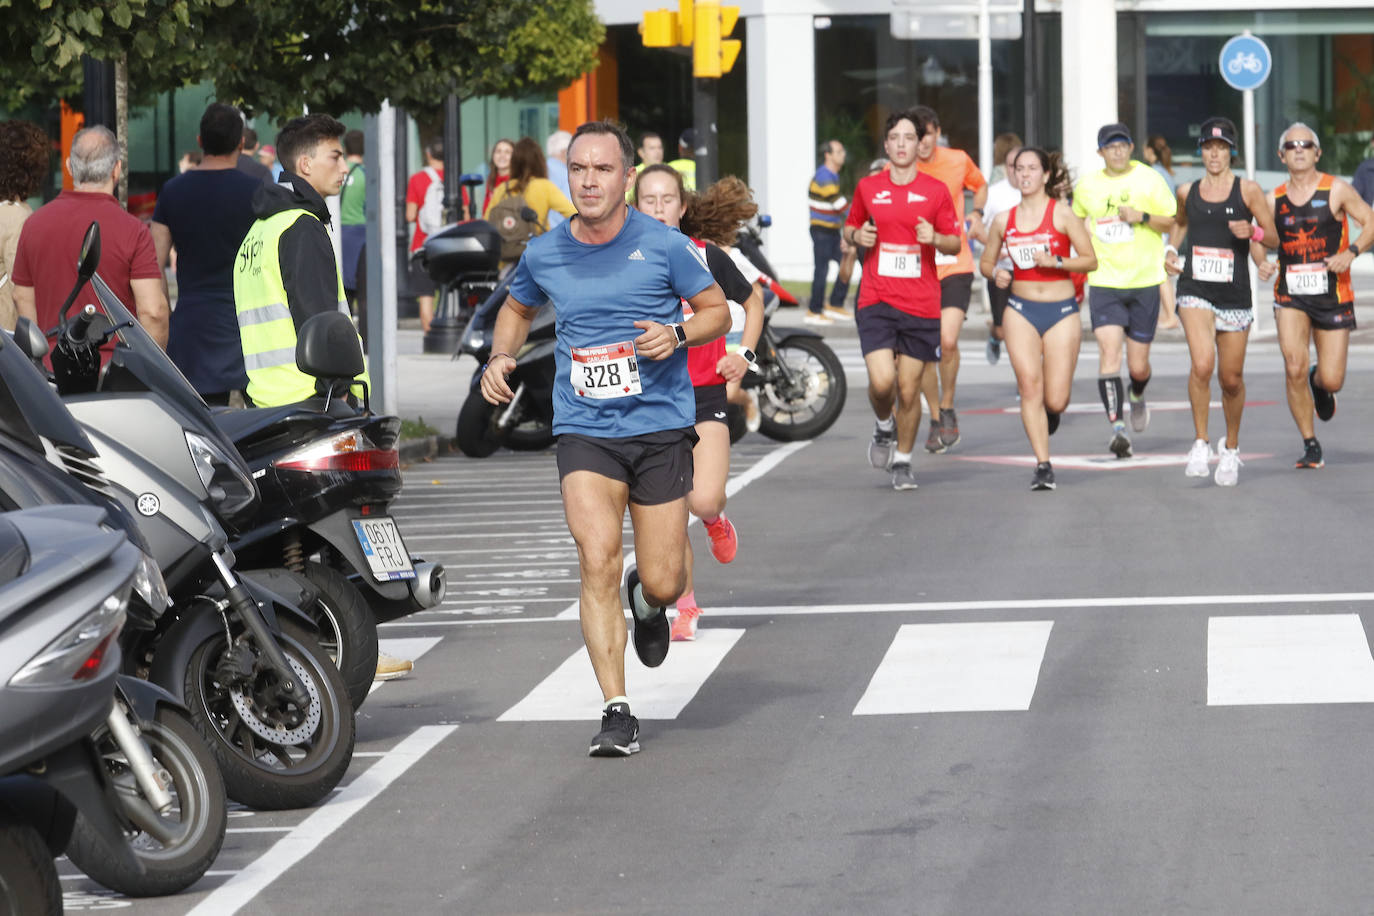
(152,779)
(430,584)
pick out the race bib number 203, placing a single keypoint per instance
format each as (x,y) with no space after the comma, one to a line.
(605,372)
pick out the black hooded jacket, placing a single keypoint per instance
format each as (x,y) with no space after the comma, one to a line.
(305,251)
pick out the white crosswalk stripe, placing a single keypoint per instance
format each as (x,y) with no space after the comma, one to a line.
(570,692)
(958,667)
(1307,658)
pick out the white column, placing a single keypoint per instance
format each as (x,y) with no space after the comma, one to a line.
(782,134)
(1089,79)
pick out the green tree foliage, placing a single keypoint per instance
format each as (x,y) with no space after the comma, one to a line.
(280,56)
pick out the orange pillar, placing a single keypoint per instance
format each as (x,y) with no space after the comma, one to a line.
(592,96)
(71,122)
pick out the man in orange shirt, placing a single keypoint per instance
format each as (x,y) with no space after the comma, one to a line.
(958,172)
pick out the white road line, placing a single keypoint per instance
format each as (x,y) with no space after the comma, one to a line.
(570,693)
(958,667)
(935,607)
(1301,658)
(262,829)
(236,893)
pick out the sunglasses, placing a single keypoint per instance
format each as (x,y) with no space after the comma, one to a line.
(1299,144)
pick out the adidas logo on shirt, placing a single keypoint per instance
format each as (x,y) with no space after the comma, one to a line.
(636,255)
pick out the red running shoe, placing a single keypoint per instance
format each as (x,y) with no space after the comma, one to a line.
(724,541)
(685,624)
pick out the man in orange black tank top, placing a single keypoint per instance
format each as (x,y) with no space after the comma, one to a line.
(1312,294)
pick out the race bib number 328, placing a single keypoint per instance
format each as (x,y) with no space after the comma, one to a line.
(605,372)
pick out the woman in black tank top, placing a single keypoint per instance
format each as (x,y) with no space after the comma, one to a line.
(1213,301)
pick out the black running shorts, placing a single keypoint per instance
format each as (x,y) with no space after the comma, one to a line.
(884,327)
(657,466)
(955,292)
(1136,310)
(711,404)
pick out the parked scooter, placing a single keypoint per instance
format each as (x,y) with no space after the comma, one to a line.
(237,649)
(800,382)
(175,820)
(327,472)
(65,580)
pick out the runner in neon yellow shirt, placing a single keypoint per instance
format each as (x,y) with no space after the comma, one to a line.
(1129,208)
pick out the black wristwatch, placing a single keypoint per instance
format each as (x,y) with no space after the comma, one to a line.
(1059,261)
(1144,217)
(1355,249)
(680,334)
(748,354)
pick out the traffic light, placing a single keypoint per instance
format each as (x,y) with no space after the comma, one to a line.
(686,20)
(660,29)
(713,53)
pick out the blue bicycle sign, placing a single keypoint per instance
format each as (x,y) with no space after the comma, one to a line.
(1245,62)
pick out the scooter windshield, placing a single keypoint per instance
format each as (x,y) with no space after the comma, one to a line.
(139,364)
(29,408)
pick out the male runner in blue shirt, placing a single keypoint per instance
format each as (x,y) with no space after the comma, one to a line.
(624,410)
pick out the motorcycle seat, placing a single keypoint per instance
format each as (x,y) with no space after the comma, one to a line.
(240,424)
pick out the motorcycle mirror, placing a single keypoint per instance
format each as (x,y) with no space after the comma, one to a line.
(85,266)
(30,340)
(765,220)
(328,347)
(472,178)
(528,215)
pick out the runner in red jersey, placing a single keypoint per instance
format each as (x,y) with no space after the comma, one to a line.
(1041,323)
(902,218)
(1312,294)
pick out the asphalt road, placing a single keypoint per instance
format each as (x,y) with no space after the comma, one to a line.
(1140,693)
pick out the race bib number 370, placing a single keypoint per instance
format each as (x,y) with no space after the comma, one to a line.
(1213,265)
(605,372)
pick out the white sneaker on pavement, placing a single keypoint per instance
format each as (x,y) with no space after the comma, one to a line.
(1228,466)
(1199,456)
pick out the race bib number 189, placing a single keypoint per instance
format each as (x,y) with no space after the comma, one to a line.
(605,372)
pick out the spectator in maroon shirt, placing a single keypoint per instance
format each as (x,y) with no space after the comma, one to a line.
(45,265)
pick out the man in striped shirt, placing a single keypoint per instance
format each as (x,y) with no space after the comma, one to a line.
(828,207)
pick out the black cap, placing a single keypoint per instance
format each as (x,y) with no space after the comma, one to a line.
(1217,129)
(688,139)
(1113,132)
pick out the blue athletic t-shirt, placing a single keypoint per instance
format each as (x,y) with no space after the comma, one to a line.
(598,293)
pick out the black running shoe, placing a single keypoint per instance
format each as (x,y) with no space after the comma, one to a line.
(1044,477)
(619,735)
(1311,455)
(651,635)
(1052,421)
(1120,445)
(1323,400)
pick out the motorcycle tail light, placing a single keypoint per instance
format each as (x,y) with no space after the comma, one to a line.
(80,653)
(351,451)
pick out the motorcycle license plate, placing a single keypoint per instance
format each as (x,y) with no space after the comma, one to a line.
(386,554)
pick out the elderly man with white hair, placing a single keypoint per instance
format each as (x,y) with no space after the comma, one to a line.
(556,151)
(45,265)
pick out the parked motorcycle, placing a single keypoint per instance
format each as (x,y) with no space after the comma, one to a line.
(175,820)
(237,649)
(65,580)
(327,472)
(800,382)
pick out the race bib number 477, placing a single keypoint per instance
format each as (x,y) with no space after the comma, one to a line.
(605,372)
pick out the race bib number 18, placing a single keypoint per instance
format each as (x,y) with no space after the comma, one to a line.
(899,260)
(1306,279)
(605,372)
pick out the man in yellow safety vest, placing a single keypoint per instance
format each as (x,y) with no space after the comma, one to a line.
(285,271)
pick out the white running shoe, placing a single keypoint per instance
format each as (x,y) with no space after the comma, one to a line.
(1228,466)
(1198,458)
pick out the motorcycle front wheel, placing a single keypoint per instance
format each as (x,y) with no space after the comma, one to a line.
(474,435)
(273,755)
(28,876)
(812,400)
(176,848)
(348,630)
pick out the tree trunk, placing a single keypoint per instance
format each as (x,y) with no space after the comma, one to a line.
(122,124)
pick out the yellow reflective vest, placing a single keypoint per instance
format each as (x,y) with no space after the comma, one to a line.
(266,329)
